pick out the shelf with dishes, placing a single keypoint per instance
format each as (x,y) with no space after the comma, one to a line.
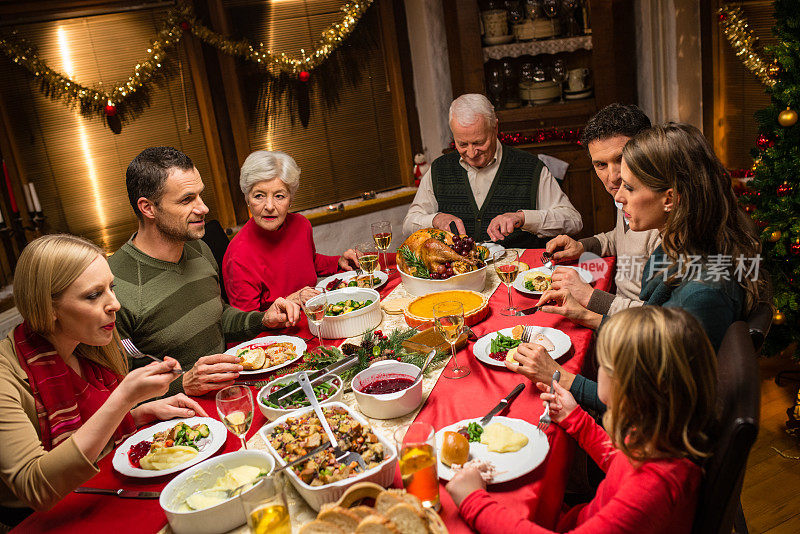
(553,110)
(534,48)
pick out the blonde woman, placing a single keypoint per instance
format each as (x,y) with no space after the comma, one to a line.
(63,399)
(658,378)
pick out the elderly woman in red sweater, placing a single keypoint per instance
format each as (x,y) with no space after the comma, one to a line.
(273,255)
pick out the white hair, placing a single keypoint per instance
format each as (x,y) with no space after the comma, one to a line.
(467,109)
(263,165)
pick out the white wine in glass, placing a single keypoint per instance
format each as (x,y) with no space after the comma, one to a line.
(448,318)
(315,309)
(382,234)
(506,265)
(235,408)
(368,258)
(265,508)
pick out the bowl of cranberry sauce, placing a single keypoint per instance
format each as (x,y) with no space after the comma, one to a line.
(384,390)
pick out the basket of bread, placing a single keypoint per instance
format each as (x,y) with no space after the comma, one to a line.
(369,509)
(435,260)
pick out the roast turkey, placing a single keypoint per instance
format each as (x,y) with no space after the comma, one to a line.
(429,250)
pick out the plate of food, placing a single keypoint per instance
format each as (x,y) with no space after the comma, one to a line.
(265,354)
(169,446)
(537,280)
(505,449)
(352,279)
(498,347)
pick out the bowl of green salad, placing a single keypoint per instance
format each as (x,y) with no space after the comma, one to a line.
(328,391)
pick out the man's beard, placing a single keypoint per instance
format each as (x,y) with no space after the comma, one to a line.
(178,233)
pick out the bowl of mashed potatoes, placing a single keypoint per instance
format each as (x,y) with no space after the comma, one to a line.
(195,501)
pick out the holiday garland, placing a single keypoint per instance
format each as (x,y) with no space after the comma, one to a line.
(744,43)
(125,99)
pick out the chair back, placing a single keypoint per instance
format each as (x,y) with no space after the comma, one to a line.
(738,400)
(758,322)
(217,240)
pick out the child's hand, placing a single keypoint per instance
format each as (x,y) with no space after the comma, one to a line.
(464,482)
(561,402)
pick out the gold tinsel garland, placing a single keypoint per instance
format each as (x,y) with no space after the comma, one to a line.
(744,43)
(179,19)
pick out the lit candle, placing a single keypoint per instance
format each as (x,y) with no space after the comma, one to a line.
(11,198)
(28,201)
(35,198)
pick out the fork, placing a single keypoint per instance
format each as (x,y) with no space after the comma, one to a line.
(135,353)
(547,260)
(544,420)
(527,334)
(346,457)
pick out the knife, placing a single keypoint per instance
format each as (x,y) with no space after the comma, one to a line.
(123,493)
(531,310)
(315,450)
(506,401)
(453,227)
(294,387)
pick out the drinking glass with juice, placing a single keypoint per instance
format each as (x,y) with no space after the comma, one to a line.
(417,456)
(265,508)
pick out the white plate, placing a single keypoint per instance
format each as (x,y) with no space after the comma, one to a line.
(482,347)
(510,465)
(519,281)
(208,446)
(493,248)
(347,275)
(299,348)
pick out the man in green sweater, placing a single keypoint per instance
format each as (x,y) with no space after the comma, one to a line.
(167,280)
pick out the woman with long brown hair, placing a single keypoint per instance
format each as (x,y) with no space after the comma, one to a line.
(66,396)
(707,262)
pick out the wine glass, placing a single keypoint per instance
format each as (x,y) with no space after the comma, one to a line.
(448,317)
(382,234)
(559,74)
(235,408)
(550,8)
(569,7)
(506,264)
(368,258)
(315,309)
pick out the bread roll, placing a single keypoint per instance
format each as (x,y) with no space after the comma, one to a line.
(252,358)
(455,449)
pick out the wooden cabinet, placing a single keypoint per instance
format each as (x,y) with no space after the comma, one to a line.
(610,53)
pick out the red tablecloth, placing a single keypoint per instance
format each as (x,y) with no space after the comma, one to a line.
(449,402)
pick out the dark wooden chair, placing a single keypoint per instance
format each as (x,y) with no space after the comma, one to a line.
(217,240)
(719,509)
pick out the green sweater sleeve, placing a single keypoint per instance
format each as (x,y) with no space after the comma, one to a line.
(585,393)
(238,325)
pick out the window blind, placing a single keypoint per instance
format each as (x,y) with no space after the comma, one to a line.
(77,164)
(344,151)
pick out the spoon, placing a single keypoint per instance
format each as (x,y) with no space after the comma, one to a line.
(428,361)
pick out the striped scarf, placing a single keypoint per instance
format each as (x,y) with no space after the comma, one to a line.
(64,400)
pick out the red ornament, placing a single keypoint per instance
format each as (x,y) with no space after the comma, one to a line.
(784,189)
(110,109)
(304,76)
(796,247)
(764,142)
(722,16)
(185,26)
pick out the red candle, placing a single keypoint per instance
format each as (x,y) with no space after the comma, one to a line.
(11,198)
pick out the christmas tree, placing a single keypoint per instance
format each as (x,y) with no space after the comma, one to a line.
(773,196)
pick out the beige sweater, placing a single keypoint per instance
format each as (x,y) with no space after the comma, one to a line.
(632,250)
(30,475)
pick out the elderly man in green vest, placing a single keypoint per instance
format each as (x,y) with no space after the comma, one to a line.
(489,190)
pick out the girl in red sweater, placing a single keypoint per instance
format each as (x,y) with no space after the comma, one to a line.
(657,376)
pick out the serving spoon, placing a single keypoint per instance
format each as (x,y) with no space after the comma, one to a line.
(428,360)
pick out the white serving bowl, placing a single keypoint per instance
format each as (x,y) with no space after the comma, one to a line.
(353,323)
(273,413)
(316,496)
(473,280)
(224,516)
(387,405)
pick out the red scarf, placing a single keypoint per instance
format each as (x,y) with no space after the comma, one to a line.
(64,400)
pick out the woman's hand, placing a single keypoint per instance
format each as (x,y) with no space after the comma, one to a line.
(281,314)
(302,295)
(565,278)
(565,304)
(349,260)
(535,364)
(464,482)
(561,401)
(169,408)
(147,382)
